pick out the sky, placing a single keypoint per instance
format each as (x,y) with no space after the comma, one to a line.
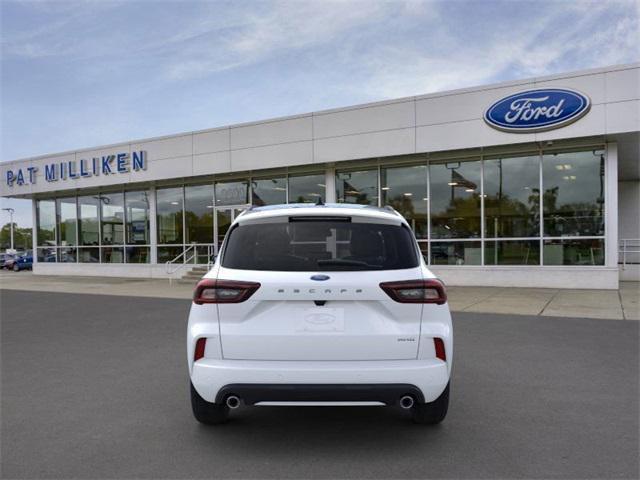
(87,73)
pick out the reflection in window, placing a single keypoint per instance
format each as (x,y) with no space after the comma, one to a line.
(513,252)
(46,217)
(112,255)
(456,253)
(455,200)
(232,193)
(306,188)
(573,198)
(405,189)
(137,254)
(168,253)
(198,213)
(89,255)
(574,252)
(169,207)
(512,197)
(268,191)
(137,218)
(67,213)
(47,255)
(88,221)
(357,187)
(112,205)
(67,255)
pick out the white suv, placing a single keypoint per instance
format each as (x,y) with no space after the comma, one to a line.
(319,305)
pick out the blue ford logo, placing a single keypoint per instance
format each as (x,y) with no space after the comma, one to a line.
(320,278)
(537,110)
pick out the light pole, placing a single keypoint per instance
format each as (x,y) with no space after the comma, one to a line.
(11,212)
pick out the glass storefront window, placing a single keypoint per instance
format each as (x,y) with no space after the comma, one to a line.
(169,208)
(112,255)
(166,254)
(89,255)
(198,213)
(46,218)
(268,191)
(512,197)
(67,220)
(137,254)
(357,187)
(232,193)
(512,252)
(112,218)
(573,198)
(137,218)
(405,189)
(456,253)
(67,255)
(307,188)
(573,252)
(47,254)
(88,226)
(455,199)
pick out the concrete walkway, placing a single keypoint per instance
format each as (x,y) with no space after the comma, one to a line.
(623,304)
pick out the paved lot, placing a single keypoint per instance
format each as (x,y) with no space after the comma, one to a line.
(96,387)
(606,304)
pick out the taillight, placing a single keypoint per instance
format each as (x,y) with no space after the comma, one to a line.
(223,291)
(201,344)
(440,353)
(416,291)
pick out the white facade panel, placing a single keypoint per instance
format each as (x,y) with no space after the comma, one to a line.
(361,120)
(178,146)
(286,154)
(212,141)
(167,168)
(623,85)
(210,163)
(271,133)
(591,85)
(378,144)
(469,134)
(593,123)
(461,107)
(623,116)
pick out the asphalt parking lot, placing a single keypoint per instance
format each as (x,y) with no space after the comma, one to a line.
(96,387)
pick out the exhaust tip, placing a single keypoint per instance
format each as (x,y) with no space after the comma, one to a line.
(233,402)
(406,402)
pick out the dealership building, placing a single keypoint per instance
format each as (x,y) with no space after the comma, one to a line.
(529,183)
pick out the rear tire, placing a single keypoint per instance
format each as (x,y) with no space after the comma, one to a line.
(207,412)
(434,412)
(16,268)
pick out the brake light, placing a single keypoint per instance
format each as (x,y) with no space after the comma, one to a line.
(200,346)
(416,291)
(223,291)
(440,353)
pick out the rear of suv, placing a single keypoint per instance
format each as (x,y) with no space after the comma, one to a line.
(319,305)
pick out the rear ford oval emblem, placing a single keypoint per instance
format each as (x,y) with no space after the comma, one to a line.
(320,278)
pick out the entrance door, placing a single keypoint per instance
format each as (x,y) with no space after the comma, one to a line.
(223,220)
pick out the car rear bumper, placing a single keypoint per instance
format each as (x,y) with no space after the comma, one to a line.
(258,381)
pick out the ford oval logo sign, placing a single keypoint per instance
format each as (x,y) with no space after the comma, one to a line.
(320,278)
(537,110)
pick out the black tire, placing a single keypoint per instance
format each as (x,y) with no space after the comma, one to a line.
(16,268)
(434,412)
(207,412)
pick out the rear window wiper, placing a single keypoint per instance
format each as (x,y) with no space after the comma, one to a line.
(346,263)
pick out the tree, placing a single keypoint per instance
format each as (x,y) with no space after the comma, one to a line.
(21,237)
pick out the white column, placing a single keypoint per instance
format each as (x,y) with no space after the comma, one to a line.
(330,182)
(611,205)
(153,233)
(34,231)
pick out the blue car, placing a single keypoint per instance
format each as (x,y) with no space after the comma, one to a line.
(23,262)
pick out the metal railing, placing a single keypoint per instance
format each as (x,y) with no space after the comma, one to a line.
(627,248)
(188,257)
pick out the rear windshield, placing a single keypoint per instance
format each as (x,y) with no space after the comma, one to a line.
(319,245)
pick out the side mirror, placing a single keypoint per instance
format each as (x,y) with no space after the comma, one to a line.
(212,259)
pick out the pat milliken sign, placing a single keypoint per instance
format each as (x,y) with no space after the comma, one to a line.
(115,164)
(537,110)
